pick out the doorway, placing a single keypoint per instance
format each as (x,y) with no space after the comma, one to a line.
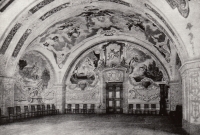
(114,97)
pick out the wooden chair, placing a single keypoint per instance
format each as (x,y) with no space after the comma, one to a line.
(26,112)
(153,109)
(130,108)
(44,111)
(49,111)
(84,110)
(76,110)
(54,110)
(146,109)
(11,114)
(91,110)
(69,108)
(39,110)
(19,114)
(138,109)
(3,118)
(33,111)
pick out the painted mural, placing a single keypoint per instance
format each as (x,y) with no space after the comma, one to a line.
(84,82)
(143,75)
(34,79)
(62,36)
(142,71)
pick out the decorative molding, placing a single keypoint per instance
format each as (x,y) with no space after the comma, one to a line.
(54,10)
(4,4)
(194,91)
(189,65)
(114,75)
(21,42)
(40,5)
(9,38)
(182,5)
(119,2)
(79,2)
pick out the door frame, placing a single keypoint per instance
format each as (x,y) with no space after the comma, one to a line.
(125,88)
(114,99)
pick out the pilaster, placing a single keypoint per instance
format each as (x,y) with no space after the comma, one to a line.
(60,98)
(6,93)
(190,73)
(175,95)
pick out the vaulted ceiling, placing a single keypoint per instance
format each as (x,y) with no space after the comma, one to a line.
(61,29)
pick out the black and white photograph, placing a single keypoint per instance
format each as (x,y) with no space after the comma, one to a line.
(99,67)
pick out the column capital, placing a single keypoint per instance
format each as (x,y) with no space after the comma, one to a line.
(190,65)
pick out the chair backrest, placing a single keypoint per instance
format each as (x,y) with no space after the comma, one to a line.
(153,106)
(43,107)
(38,108)
(53,107)
(130,106)
(48,107)
(10,110)
(92,106)
(18,109)
(69,106)
(84,106)
(26,109)
(32,108)
(146,106)
(76,106)
(137,106)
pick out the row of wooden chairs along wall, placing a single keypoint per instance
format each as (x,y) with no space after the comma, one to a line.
(15,113)
(147,109)
(75,108)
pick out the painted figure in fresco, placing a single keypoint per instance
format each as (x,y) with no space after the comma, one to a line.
(30,72)
(113,52)
(59,49)
(72,31)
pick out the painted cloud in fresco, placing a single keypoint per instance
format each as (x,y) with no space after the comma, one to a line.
(62,36)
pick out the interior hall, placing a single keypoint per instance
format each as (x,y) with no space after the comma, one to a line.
(96,67)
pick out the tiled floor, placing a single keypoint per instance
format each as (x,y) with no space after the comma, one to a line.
(74,124)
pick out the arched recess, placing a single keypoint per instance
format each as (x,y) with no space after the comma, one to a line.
(35,80)
(113,60)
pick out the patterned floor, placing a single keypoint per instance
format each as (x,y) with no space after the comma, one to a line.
(74,124)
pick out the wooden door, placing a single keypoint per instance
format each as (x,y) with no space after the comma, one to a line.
(114,97)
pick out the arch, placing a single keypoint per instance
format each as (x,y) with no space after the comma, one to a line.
(87,45)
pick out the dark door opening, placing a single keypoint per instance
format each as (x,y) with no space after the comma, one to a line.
(114,97)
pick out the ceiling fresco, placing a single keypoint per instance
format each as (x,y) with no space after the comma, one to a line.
(64,35)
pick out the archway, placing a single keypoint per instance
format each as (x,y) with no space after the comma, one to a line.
(113,61)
